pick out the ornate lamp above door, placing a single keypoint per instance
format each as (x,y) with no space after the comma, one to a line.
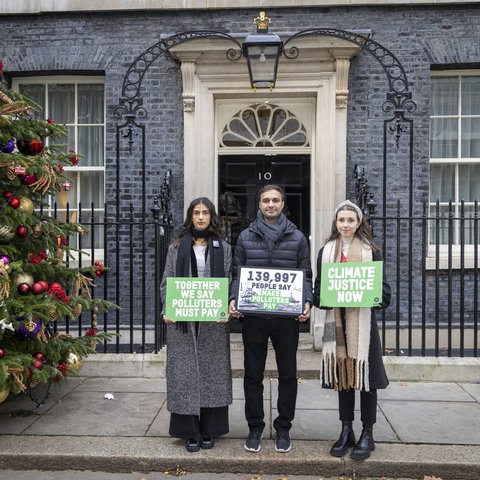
(262,51)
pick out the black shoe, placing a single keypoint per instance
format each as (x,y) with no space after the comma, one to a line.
(253,443)
(193,445)
(346,440)
(283,443)
(207,443)
(364,446)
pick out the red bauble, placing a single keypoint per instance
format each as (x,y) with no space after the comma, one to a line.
(2,352)
(30,147)
(39,356)
(14,202)
(23,289)
(38,288)
(28,179)
(38,364)
(98,272)
(55,284)
(29,374)
(44,285)
(22,231)
(7,195)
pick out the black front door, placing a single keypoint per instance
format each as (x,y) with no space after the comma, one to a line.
(240,178)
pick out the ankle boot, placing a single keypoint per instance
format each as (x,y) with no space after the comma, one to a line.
(364,446)
(346,439)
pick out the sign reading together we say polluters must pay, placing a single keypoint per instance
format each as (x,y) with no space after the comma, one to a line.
(196,299)
(351,284)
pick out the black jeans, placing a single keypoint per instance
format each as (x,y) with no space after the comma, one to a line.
(368,406)
(212,422)
(284,335)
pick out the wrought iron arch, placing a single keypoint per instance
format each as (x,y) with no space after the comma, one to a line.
(398,98)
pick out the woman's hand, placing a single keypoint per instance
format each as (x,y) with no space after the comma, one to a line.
(167,320)
(232,310)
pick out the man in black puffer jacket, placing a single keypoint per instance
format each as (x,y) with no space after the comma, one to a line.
(271,241)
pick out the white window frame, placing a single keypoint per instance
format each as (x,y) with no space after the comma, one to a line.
(431,260)
(76,80)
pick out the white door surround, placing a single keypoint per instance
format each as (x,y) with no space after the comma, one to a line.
(319,76)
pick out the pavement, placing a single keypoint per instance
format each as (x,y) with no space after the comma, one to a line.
(424,428)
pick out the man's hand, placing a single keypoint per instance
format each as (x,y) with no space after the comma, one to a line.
(306,314)
(232,310)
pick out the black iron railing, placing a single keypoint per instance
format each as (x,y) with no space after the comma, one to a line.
(434,279)
(435,301)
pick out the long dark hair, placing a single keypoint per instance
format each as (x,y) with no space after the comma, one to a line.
(363,232)
(214,226)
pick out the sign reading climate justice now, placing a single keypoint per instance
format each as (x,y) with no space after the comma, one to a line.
(351,284)
(196,299)
(270,291)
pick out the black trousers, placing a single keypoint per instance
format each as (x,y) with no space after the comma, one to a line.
(284,335)
(368,406)
(212,423)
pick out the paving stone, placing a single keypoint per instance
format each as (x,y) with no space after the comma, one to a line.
(434,422)
(129,414)
(424,391)
(473,389)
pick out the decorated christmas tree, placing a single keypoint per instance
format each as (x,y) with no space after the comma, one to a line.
(38,289)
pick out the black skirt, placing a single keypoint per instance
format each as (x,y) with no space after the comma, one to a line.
(212,423)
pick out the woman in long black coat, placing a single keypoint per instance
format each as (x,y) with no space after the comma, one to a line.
(352,353)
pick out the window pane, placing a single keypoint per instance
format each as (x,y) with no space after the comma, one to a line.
(443,138)
(441,225)
(61,103)
(69,196)
(471,96)
(95,231)
(471,219)
(67,140)
(37,94)
(90,145)
(442,182)
(471,137)
(91,188)
(469,182)
(90,104)
(444,96)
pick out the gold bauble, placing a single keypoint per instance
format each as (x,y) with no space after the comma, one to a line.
(26,205)
(74,361)
(6,233)
(37,230)
(23,277)
(4,393)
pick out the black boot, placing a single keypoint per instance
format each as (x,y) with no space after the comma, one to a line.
(346,439)
(364,446)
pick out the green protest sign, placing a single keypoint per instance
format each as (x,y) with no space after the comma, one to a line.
(196,299)
(351,284)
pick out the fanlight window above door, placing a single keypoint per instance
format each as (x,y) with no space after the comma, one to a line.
(264,125)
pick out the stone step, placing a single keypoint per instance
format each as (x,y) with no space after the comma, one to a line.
(153,454)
